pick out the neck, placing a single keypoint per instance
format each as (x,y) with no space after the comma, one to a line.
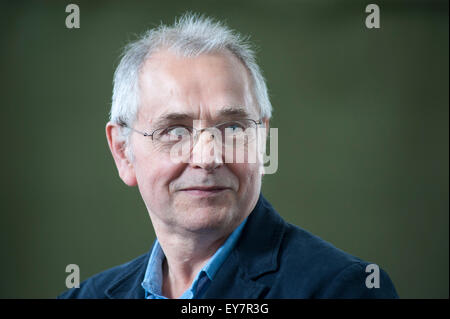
(186,255)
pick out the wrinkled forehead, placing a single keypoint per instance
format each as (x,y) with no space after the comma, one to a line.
(209,86)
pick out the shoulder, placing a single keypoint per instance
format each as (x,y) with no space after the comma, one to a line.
(98,285)
(325,271)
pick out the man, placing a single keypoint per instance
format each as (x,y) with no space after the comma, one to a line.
(182,89)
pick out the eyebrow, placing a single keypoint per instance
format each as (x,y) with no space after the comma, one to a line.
(229,112)
(234,112)
(171,117)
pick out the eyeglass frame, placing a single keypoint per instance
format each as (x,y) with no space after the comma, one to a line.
(197,131)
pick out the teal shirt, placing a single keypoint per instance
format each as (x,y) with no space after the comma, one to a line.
(152,283)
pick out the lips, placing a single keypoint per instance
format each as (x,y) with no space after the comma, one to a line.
(204,190)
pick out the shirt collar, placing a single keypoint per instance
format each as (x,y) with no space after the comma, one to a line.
(153,278)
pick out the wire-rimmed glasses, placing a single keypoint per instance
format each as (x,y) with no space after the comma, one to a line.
(235,132)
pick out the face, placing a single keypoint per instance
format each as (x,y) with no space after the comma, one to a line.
(192,196)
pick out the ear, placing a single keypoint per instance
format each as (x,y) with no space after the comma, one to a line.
(118,150)
(266,125)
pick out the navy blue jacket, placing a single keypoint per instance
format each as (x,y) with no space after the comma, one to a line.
(272,259)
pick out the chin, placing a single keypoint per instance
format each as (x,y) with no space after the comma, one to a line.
(204,205)
(211,218)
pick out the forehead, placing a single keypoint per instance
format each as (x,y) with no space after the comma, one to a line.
(202,86)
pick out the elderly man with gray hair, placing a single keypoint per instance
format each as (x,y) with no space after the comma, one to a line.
(185,97)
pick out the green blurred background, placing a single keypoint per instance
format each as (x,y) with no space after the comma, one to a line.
(362,116)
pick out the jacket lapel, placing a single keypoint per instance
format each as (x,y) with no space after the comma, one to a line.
(231,282)
(255,254)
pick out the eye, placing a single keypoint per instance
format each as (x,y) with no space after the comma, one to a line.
(173,134)
(177,132)
(234,126)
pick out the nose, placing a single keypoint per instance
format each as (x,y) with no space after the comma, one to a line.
(207,151)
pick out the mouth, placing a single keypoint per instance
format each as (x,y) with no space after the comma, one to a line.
(204,191)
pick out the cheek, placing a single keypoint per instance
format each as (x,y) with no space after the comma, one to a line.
(154,174)
(248,175)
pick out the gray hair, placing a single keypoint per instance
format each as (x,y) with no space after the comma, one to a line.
(190,35)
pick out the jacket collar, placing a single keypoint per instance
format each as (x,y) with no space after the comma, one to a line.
(255,254)
(129,286)
(258,250)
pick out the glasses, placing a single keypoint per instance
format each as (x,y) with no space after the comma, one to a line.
(237,132)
